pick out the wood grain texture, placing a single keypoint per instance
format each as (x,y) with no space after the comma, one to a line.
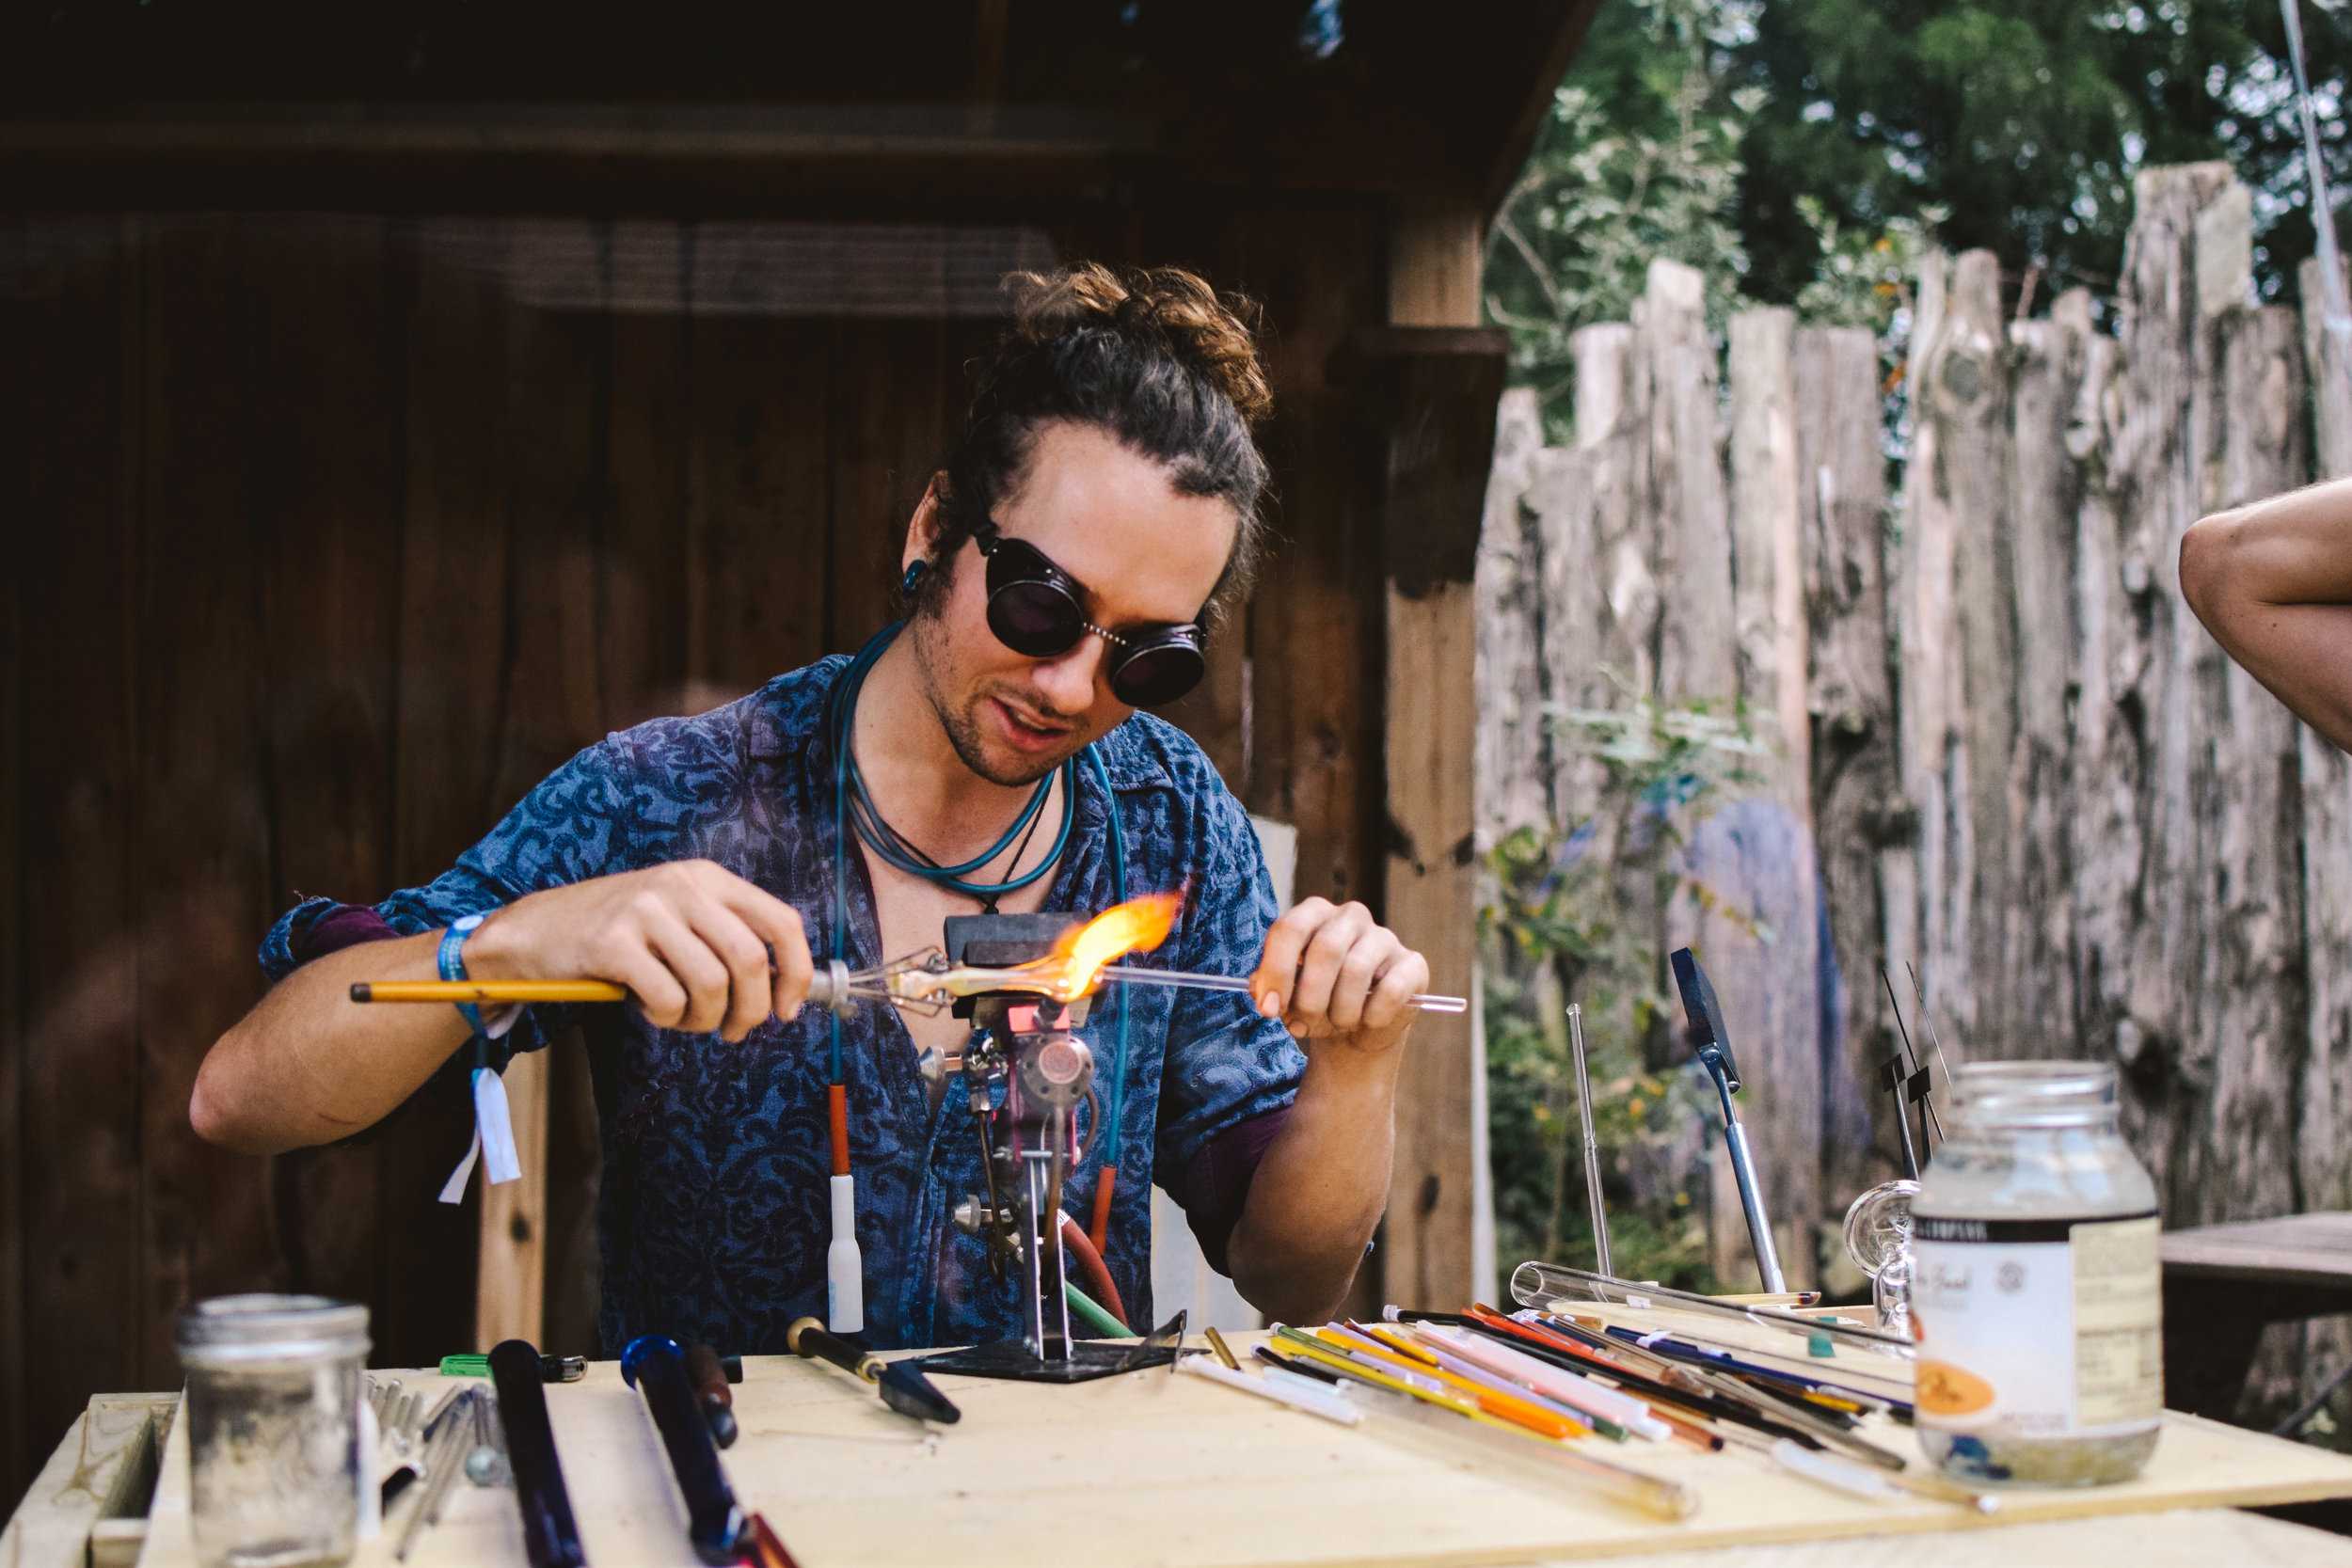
(19,292)
(456,634)
(510,1263)
(111,1446)
(83,1308)
(1760,940)
(1208,1476)
(325,470)
(2324,1174)
(2292,1249)
(2095,835)
(422,511)
(1434,405)
(1857,805)
(1313,630)
(208,1217)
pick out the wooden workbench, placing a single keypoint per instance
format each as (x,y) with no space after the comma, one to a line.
(2236,1279)
(1153,1468)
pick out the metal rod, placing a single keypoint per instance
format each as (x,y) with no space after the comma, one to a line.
(1927,1016)
(1592,1144)
(1914,1071)
(921,983)
(1751,1192)
(1891,1074)
(440,1472)
(1424,1001)
(1547,1285)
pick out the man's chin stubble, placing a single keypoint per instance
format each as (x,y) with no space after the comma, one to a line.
(964,736)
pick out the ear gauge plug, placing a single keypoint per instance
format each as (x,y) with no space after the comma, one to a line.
(913,575)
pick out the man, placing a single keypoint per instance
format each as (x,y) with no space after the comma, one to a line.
(2273,582)
(1101,501)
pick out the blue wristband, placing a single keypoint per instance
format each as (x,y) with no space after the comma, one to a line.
(451,962)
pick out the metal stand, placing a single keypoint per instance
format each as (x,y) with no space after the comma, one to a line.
(1024,1074)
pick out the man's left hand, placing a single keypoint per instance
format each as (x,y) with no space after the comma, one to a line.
(1331,972)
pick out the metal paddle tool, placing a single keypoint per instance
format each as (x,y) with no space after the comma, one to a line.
(1708,1038)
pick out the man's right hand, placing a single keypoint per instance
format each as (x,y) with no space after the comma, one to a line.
(690,940)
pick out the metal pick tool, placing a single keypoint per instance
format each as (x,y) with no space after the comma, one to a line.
(1709,1039)
(1592,1144)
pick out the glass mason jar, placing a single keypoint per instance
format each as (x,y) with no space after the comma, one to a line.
(272,1407)
(2036,1291)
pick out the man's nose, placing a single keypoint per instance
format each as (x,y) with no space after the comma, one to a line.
(1067,680)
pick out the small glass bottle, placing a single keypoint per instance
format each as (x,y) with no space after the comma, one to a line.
(272,1407)
(2037,1290)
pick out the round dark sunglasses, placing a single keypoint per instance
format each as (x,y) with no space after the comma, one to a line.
(1038,609)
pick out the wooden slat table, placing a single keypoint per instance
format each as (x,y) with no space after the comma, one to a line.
(2234,1281)
(1162,1469)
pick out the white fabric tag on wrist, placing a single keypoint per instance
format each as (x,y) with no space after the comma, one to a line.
(493,1135)
(495,1127)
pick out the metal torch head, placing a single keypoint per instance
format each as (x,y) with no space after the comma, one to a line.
(1704,1020)
(1005,942)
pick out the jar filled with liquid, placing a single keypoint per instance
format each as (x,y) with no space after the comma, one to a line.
(2037,1288)
(273,1403)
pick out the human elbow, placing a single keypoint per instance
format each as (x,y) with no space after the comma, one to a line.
(2204,551)
(212,1106)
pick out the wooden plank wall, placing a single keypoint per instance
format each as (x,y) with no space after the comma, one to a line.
(328,536)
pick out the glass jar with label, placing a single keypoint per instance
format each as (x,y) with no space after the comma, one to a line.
(2036,1291)
(272,1417)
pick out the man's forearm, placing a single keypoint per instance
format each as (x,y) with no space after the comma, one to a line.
(1320,1188)
(307,1066)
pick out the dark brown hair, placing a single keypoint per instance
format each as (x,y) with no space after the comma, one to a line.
(1155,358)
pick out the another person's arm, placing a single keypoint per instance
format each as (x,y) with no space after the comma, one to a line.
(2273,582)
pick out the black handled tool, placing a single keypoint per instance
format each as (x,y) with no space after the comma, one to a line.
(551,1534)
(904,1386)
(655,1368)
(1712,1041)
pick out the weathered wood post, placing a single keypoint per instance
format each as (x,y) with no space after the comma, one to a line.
(2320,1145)
(1431,381)
(1858,810)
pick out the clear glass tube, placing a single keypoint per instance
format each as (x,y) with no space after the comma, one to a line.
(2035,1285)
(273,1403)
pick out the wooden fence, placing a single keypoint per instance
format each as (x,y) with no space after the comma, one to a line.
(2006,750)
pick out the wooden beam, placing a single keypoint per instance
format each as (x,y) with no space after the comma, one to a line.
(510,1288)
(717,160)
(1431,381)
(105,1467)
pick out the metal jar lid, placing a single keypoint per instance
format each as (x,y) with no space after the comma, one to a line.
(250,1331)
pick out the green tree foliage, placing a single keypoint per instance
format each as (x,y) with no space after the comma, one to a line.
(2021,123)
(1574,917)
(1639,159)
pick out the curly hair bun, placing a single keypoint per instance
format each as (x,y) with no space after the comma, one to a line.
(1167,307)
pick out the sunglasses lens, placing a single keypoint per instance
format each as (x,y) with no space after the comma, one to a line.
(1157,673)
(1034,619)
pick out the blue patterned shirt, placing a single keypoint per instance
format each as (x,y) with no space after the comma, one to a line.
(712,1218)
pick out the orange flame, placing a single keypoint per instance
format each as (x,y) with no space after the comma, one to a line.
(1138,926)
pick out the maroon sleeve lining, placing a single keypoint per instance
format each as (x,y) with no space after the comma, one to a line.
(345,925)
(1215,1184)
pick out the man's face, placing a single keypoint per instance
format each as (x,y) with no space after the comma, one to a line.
(1145,554)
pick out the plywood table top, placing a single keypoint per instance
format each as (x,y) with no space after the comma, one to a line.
(1154,1468)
